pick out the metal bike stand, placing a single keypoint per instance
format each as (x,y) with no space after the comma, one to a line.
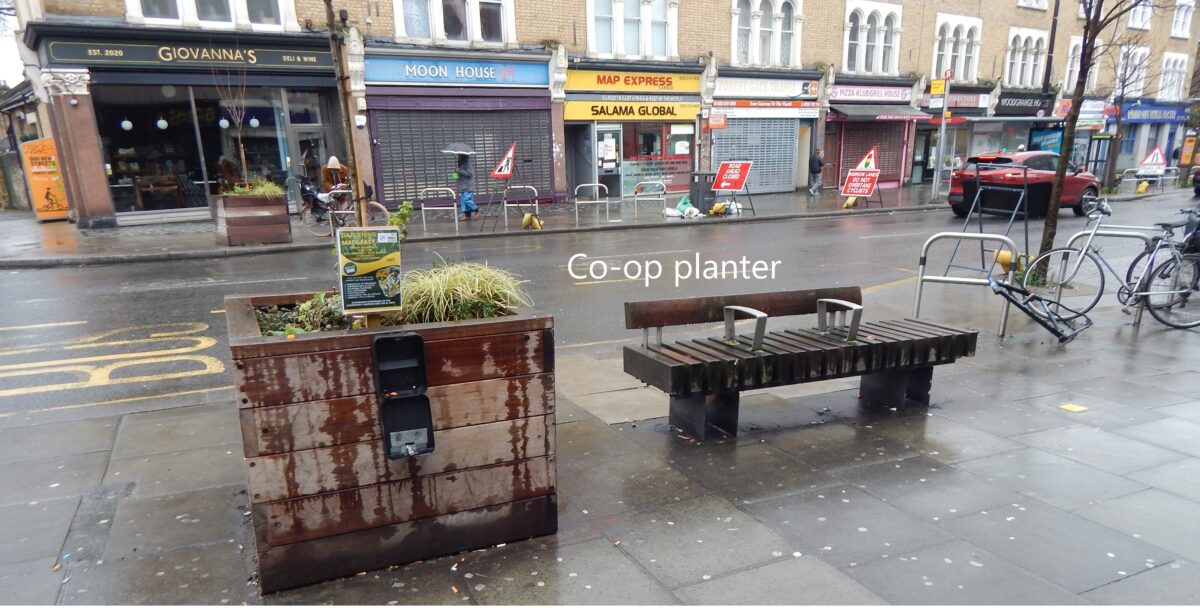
(1120,232)
(962,236)
(643,193)
(595,200)
(1021,208)
(505,202)
(423,198)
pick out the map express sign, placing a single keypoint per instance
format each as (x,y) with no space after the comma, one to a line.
(189,55)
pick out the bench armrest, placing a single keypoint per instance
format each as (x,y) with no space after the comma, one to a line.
(823,314)
(760,326)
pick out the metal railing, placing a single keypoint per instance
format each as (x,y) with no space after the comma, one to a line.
(642,192)
(424,196)
(596,200)
(506,202)
(983,282)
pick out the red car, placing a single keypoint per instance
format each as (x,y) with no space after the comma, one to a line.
(1078,183)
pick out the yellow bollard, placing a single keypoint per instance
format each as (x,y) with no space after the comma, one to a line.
(850,203)
(1143,186)
(1004,258)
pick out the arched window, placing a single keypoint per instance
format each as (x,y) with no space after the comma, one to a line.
(765,25)
(969,56)
(604,26)
(658,28)
(1035,73)
(852,42)
(942,42)
(1073,68)
(872,42)
(633,28)
(889,44)
(1026,58)
(743,33)
(785,35)
(1014,50)
(956,55)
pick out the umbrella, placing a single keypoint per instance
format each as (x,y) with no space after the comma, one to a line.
(461,149)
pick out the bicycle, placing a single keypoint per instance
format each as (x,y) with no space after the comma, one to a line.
(322,213)
(1074,285)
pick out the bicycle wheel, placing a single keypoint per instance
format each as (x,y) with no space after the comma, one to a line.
(1054,277)
(317,224)
(1173,292)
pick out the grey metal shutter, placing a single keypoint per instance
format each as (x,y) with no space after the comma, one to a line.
(887,137)
(410,143)
(769,142)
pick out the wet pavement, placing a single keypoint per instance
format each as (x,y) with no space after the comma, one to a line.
(1041,474)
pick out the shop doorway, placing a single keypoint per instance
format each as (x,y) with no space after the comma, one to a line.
(608,158)
(581,166)
(920,156)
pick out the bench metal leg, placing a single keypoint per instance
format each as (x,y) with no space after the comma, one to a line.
(898,388)
(706,417)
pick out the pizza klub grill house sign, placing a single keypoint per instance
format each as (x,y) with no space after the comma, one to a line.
(185,55)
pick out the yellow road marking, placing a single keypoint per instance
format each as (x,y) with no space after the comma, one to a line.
(218,312)
(93,341)
(102,376)
(115,401)
(41,325)
(202,342)
(889,285)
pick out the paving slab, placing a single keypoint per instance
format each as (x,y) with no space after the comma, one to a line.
(835,446)
(1156,517)
(566,410)
(681,544)
(928,489)
(577,375)
(1127,391)
(793,581)
(35,531)
(793,391)
(1173,434)
(1173,584)
(1187,411)
(957,573)
(1181,478)
(768,412)
(172,431)
(1099,413)
(49,478)
(59,439)
(995,415)
(29,583)
(622,483)
(1066,549)
(1181,383)
(999,386)
(166,473)
(751,473)
(941,438)
(591,438)
(144,526)
(217,574)
(1053,479)
(1100,448)
(625,405)
(427,583)
(844,525)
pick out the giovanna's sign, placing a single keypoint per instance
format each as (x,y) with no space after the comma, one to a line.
(198,55)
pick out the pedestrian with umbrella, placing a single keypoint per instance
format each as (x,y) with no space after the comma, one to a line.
(464,173)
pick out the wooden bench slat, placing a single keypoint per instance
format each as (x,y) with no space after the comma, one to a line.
(717,375)
(710,309)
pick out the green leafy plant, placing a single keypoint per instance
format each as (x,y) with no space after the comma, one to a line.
(258,186)
(454,292)
(319,313)
(400,218)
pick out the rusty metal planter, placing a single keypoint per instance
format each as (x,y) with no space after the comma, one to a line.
(326,501)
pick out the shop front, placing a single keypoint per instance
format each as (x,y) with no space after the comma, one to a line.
(1145,124)
(960,143)
(1088,150)
(866,116)
(417,104)
(768,121)
(1021,132)
(180,119)
(623,128)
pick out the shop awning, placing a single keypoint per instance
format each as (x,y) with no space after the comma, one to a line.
(878,112)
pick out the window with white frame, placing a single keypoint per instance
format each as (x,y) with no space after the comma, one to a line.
(1072,71)
(1026,48)
(631,28)
(1132,67)
(1139,17)
(1036,4)
(1181,21)
(269,15)
(957,46)
(1173,81)
(785,35)
(454,22)
(872,37)
(766,33)
(744,32)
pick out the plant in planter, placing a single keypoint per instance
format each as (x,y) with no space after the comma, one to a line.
(326,499)
(252,212)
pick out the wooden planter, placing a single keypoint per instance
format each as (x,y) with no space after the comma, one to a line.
(243,220)
(325,499)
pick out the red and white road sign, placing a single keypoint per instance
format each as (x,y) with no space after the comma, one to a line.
(732,176)
(504,168)
(1155,164)
(861,180)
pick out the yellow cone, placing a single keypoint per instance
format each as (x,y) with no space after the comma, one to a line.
(850,203)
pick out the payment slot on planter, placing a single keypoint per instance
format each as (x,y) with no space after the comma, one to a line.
(403,406)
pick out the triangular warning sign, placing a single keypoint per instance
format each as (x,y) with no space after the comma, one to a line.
(868,161)
(504,168)
(1154,159)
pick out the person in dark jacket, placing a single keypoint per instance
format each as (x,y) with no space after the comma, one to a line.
(815,165)
(465,174)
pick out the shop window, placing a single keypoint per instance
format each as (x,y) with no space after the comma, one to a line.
(160,9)
(785,35)
(454,19)
(743,32)
(632,24)
(304,108)
(264,12)
(491,20)
(655,151)
(603,26)
(213,10)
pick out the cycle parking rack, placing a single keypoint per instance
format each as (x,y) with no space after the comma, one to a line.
(642,193)
(1120,232)
(595,200)
(424,197)
(922,278)
(1020,208)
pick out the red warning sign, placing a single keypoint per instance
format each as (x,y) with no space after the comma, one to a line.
(504,168)
(861,180)
(1155,164)
(732,175)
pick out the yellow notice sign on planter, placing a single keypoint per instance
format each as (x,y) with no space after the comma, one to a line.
(369,269)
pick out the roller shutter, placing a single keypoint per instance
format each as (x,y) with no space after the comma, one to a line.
(888,139)
(769,142)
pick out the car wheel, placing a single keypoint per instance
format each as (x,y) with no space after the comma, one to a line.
(1078,209)
(958,211)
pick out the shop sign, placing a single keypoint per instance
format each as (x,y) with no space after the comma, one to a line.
(1046,139)
(957,100)
(44,177)
(647,82)
(1023,104)
(716,120)
(369,269)
(766,87)
(630,111)
(204,54)
(768,108)
(1189,149)
(731,176)
(459,72)
(849,92)
(1092,113)
(1152,113)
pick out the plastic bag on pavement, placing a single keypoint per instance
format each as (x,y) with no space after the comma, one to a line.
(668,212)
(692,213)
(684,205)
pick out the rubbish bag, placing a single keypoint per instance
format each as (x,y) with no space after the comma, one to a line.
(684,205)
(668,212)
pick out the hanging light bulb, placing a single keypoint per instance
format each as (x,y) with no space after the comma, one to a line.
(224,123)
(254,123)
(162,123)
(127,125)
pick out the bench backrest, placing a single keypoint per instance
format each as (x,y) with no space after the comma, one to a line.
(711,309)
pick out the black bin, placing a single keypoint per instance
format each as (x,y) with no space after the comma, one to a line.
(700,191)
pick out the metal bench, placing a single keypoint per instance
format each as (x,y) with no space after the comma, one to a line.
(704,377)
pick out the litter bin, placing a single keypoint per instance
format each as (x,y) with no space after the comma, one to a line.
(700,191)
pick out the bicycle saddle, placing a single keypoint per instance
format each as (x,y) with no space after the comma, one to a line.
(1175,224)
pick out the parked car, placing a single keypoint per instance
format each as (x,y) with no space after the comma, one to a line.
(1009,169)
(1196,181)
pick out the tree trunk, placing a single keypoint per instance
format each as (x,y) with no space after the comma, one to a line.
(1068,143)
(1114,148)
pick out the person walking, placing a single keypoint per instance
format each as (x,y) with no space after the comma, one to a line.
(815,165)
(465,174)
